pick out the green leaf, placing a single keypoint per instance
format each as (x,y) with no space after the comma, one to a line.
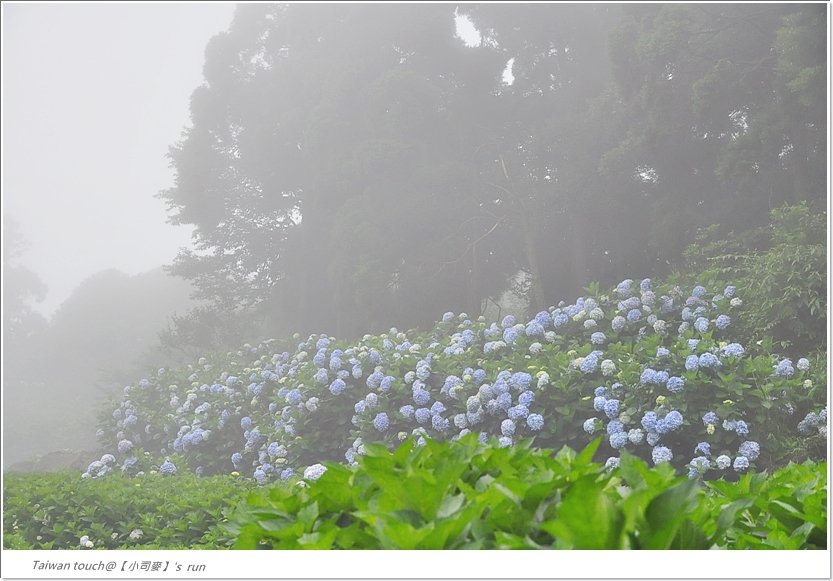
(666,513)
(587,517)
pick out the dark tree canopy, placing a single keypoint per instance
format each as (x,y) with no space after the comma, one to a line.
(349,167)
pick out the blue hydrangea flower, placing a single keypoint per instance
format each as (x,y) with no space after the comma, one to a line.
(520,380)
(729,292)
(124,446)
(407,410)
(661,454)
(598,338)
(504,401)
(535,422)
(624,287)
(653,438)
(448,317)
(544,319)
(662,352)
(534,329)
(507,427)
(518,412)
(733,350)
(701,325)
(618,323)
(698,466)
(590,425)
(645,285)
(527,398)
(750,449)
(723,321)
(708,360)
(508,321)
(611,463)
(674,420)
(618,440)
(784,368)
(599,403)
(611,408)
(337,386)
(615,426)
(386,383)
(741,463)
(675,384)
(703,448)
(167,468)
(634,315)
(439,423)
(421,397)
(293,397)
(629,304)
(380,422)
(437,408)
(589,364)
(803,364)
(710,418)
(649,421)
(692,363)
(422,415)
(741,429)
(698,292)
(723,461)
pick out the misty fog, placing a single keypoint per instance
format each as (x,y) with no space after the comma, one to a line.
(180,180)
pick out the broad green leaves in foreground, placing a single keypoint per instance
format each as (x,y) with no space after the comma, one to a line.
(467,495)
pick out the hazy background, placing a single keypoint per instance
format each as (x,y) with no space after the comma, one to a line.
(346,168)
(93,96)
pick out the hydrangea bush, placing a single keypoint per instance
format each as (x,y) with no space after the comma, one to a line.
(654,368)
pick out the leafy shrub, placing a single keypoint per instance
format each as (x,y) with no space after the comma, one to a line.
(651,365)
(466,495)
(781,273)
(54,511)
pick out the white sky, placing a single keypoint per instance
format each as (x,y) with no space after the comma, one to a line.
(93,95)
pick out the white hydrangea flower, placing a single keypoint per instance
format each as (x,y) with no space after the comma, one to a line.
(314,472)
(608,368)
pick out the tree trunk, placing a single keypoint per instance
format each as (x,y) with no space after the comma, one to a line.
(537,297)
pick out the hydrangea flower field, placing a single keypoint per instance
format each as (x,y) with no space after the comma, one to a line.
(644,377)
(655,369)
